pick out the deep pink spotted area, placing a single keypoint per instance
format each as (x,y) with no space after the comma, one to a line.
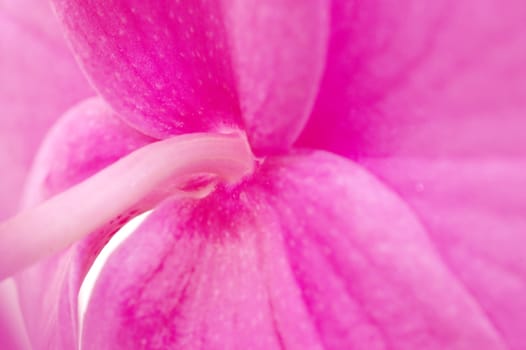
(319,174)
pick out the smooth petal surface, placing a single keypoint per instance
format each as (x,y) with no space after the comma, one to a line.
(278,53)
(12,330)
(424,78)
(445,106)
(311,252)
(87,138)
(99,205)
(171,67)
(474,211)
(162,65)
(39,81)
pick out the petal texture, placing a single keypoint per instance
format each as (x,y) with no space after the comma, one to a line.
(171,67)
(445,105)
(474,211)
(310,253)
(430,78)
(12,331)
(87,138)
(163,66)
(278,52)
(39,81)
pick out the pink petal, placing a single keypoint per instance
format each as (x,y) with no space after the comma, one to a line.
(39,80)
(12,330)
(441,93)
(429,78)
(170,67)
(86,139)
(162,65)
(473,210)
(278,52)
(312,252)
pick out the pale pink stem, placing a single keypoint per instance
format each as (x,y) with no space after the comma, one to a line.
(73,214)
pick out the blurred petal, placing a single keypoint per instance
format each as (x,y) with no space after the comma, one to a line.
(427,78)
(312,252)
(87,138)
(37,18)
(474,212)
(39,81)
(278,49)
(170,67)
(446,104)
(13,335)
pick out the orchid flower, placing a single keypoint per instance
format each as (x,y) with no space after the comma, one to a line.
(319,174)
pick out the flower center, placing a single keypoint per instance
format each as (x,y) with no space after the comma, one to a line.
(73,214)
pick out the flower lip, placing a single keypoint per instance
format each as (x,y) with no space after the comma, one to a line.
(144,175)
